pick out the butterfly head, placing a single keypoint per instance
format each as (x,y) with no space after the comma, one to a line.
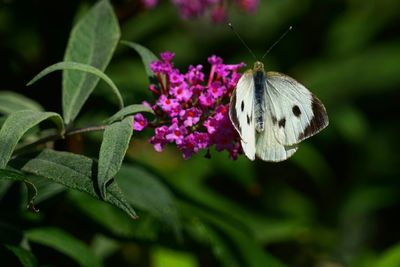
(258,66)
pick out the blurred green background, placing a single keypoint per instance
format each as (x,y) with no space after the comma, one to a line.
(335,203)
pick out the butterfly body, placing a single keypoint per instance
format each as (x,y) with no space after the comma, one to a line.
(259,99)
(272,113)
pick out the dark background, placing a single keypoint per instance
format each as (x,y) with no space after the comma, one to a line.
(335,203)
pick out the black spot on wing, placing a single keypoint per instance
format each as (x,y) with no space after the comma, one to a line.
(282,122)
(296,110)
(319,120)
(248,119)
(242,106)
(233,115)
(274,120)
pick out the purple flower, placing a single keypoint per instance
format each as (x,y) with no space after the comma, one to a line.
(167,104)
(176,134)
(192,111)
(139,122)
(190,116)
(206,99)
(202,140)
(167,56)
(217,9)
(248,5)
(181,92)
(158,140)
(221,112)
(175,77)
(156,66)
(211,125)
(192,8)
(188,146)
(217,89)
(150,3)
(194,75)
(215,60)
(192,143)
(218,13)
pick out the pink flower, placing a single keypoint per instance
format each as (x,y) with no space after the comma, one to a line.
(206,99)
(215,60)
(221,112)
(248,5)
(188,146)
(167,56)
(192,8)
(139,122)
(202,140)
(176,133)
(181,92)
(211,125)
(218,13)
(190,116)
(217,89)
(167,104)
(194,75)
(158,140)
(192,143)
(189,9)
(192,113)
(150,3)
(175,77)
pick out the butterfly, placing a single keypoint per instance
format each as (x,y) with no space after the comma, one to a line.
(273,113)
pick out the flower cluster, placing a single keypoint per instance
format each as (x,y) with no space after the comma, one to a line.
(192,110)
(195,8)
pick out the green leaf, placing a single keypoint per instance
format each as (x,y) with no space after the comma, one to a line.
(4,187)
(145,191)
(16,176)
(26,258)
(354,74)
(390,258)
(252,253)
(104,247)
(112,218)
(92,41)
(46,187)
(65,243)
(129,110)
(17,124)
(115,143)
(75,172)
(208,236)
(161,257)
(199,192)
(146,55)
(11,102)
(65,65)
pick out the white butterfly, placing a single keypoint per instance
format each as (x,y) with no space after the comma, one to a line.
(272,113)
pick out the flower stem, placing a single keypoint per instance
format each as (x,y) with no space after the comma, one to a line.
(57,136)
(86,130)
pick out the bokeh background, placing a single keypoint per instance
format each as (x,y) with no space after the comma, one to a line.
(335,203)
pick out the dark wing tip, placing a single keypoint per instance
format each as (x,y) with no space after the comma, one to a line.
(318,122)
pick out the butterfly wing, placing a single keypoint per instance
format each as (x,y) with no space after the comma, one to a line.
(268,148)
(296,113)
(241,113)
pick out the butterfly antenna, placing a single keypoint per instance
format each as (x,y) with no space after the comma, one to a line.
(277,41)
(243,42)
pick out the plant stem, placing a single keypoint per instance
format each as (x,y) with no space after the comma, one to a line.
(86,130)
(57,136)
